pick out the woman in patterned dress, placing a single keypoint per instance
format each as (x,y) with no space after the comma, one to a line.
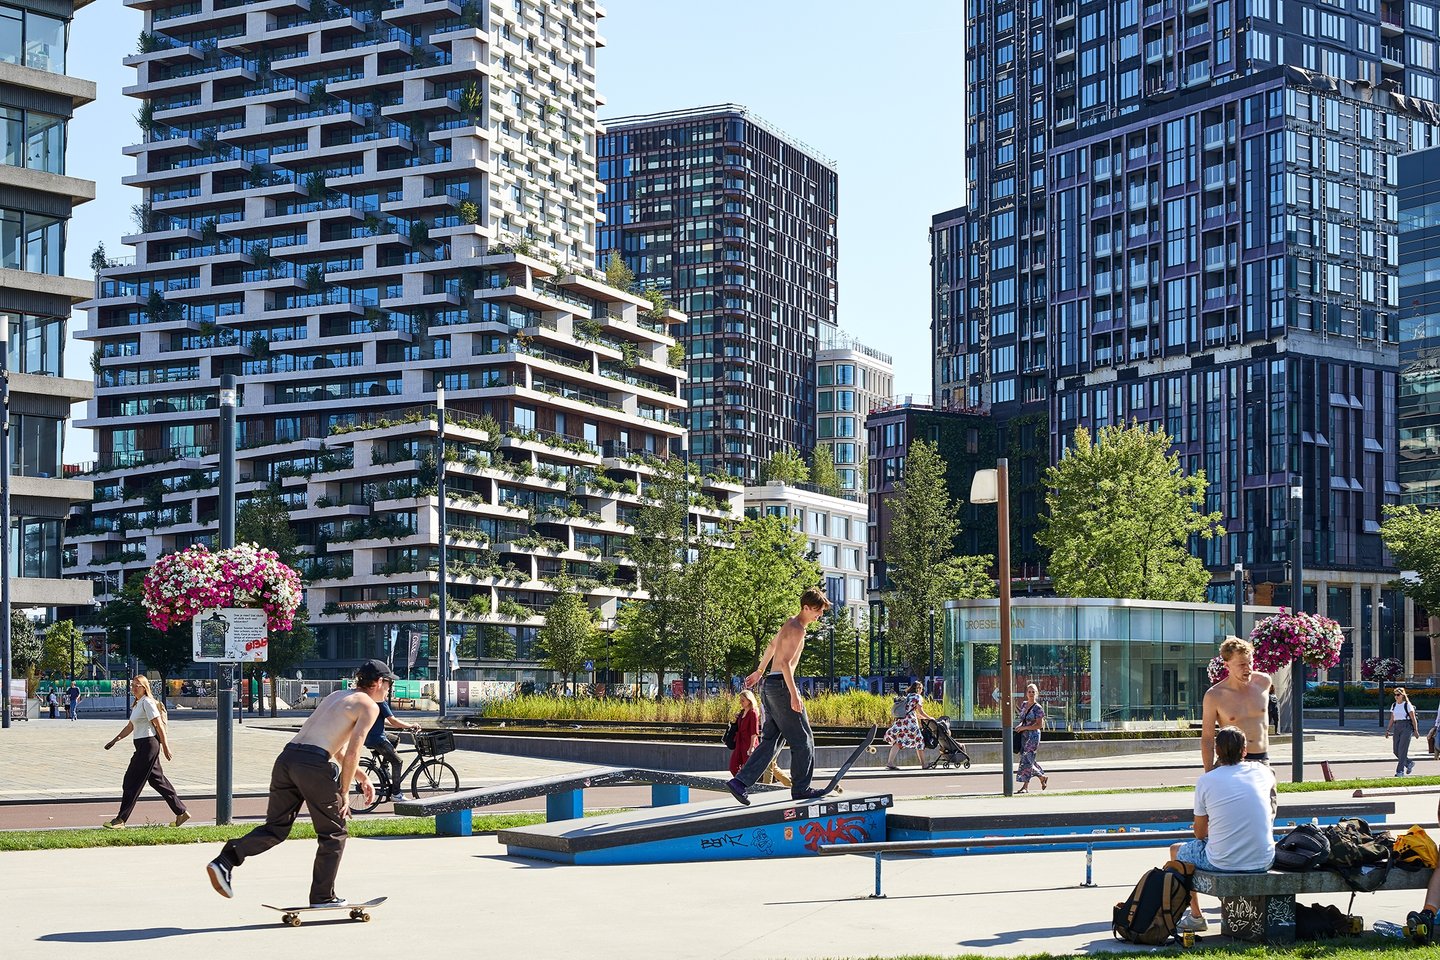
(904,734)
(1029,722)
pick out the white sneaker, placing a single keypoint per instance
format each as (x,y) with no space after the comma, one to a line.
(1190,923)
(398,798)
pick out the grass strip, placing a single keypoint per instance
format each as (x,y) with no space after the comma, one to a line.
(149,836)
(1356,948)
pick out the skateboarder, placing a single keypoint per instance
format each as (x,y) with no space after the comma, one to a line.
(1241,700)
(316,769)
(784,713)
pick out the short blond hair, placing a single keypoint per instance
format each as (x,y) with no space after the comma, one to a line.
(1234,645)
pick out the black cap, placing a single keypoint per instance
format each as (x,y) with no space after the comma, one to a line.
(372,670)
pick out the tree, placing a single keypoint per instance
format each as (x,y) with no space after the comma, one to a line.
(705,622)
(1412,536)
(920,556)
(815,661)
(61,647)
(822,471)
(264,520)
(1121,515)
(569,625)
(618,273)
(25,647)
(287,650)
(762,578)
(785,467)
(165,653)
(658,549)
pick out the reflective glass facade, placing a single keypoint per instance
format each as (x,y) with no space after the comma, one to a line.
(736,223)
(1419,409)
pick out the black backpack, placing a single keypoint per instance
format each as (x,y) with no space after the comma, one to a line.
(1304,848)
(1353,848)
(732,733)
(1320,922)
(1149,915)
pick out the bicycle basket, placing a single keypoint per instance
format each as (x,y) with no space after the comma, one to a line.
(434,743)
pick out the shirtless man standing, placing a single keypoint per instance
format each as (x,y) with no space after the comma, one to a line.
(1241,700)
(305,772)
(784,713)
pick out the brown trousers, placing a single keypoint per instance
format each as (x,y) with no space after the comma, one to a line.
(302,774)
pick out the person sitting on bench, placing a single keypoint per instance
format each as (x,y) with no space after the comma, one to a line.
(1235,807)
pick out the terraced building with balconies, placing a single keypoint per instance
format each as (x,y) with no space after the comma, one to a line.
(348,205)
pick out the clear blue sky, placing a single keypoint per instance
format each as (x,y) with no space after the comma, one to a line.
(881,94)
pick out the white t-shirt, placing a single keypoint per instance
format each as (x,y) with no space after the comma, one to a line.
(143,715)
(1236,798)
(1401,711)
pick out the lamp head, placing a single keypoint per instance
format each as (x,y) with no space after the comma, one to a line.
(985,488)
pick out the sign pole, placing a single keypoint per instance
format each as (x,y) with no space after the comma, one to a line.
(225,695)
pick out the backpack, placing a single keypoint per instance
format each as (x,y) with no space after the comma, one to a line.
(1304,848)
(1320,922)
(732,733)
(1149,915)
(900,709)
(1414,850)
(1353,847)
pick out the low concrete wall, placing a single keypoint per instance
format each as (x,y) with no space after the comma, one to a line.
(666,755)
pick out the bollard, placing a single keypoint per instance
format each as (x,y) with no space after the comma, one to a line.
(1089,865)
(877,895)
(1325,769)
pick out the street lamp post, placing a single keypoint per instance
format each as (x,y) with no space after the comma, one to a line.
(931,678)
(443,673)
(850,614)
(993,486)
(1240,601)
(225,695)
(5,521)
(1297,669)
(129,670)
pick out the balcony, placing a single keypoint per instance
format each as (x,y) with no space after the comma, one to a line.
(1157,50)
(1064,48)
(1064,12)
(1392,21)
(1197,73)
(1392,56)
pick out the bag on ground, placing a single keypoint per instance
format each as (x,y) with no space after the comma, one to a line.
(1414,850)
(732,733)
(1149,915)
(1320,921)
(900,709)
(1304,848)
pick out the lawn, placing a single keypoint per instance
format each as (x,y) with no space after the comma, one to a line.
(1358,948)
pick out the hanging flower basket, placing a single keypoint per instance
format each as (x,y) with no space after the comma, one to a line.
(1217,670)
(181,585)
(1280,639)
(1382,668)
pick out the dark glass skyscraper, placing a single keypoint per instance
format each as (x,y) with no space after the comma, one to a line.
(1419,408)
(735,222)
(1215,253)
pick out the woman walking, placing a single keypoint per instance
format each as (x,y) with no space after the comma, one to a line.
(904,733)
(1028,724)
(747,731)
(1401,727)
(147,725)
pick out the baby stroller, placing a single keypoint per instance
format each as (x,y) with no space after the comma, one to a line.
(936,733)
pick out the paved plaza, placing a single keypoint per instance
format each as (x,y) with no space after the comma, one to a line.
(451,891)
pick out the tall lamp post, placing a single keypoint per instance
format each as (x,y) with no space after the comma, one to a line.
(993,486)
(851,615)
(1240,601)
(1297,669)
(443,673)
(225,695)
(5,521)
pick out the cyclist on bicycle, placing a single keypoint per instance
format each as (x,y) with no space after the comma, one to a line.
(379,744)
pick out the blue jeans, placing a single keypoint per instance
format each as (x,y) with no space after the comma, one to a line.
(781,721)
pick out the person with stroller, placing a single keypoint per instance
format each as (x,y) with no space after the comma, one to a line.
(904,733)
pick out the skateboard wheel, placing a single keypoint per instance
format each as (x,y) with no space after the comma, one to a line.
(291,920)
(871,750)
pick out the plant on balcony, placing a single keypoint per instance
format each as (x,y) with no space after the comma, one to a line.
(472,99)
(514,610)
(144,218)
(315,186)
(259,346)
(658,302)
(314,279)
(469,212)
(1281,638)
(181,585)
(145,117)
(419,233)
(675,355)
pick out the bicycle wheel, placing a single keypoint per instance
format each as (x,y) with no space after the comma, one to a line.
(434,777)
(378,779)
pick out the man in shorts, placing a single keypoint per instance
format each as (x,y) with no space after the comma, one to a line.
(1241,700)
(1234,819)
(316,769)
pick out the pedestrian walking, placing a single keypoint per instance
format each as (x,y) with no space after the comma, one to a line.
(147,728)
(905,733)
(53,703)
(72,694)
(747,731)
(316,769)
(1401,726)
(1028,724)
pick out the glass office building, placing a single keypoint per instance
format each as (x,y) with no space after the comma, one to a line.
(1097,663)
(1419,408)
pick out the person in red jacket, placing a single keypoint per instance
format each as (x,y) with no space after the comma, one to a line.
(747,735)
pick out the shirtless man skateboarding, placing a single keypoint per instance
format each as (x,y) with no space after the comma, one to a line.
(1241,700)
(305,772)
(784,713)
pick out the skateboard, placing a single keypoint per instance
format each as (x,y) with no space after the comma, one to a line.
(358,911)
(868,744)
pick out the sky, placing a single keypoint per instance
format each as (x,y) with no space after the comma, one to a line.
(880,95)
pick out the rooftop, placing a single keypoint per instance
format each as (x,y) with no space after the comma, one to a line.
(637,120)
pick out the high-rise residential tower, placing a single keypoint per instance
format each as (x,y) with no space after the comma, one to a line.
(735,221)
(37,100)
(349,205)
(851,379)
(1215,253)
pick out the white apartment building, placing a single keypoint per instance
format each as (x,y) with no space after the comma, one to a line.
(834,527)
(851,380)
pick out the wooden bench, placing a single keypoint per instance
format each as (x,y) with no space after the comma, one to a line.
(1260,907)
(564,795)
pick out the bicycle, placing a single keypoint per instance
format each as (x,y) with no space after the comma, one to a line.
(431,774)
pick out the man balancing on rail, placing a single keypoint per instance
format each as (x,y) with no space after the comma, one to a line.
(315,769)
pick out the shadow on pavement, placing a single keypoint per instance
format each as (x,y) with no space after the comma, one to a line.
(1037,933)
(941,896)
(146,933)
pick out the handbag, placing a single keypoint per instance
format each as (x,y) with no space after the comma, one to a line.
(732,733)
(1017,741)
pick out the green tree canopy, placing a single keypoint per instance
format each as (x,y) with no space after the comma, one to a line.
(920,556)
(651,641)
(61,648)
(165,653)
(823,473)
(25,647)
(264,520)
(1412,535)
(762,578)
(569,626)
(1121,515)
(706,621)
(786,467)
(618,273)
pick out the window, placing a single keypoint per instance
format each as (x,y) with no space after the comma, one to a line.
(32,40)
(839,527)
(30,138)
(37,344)
(32,241)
